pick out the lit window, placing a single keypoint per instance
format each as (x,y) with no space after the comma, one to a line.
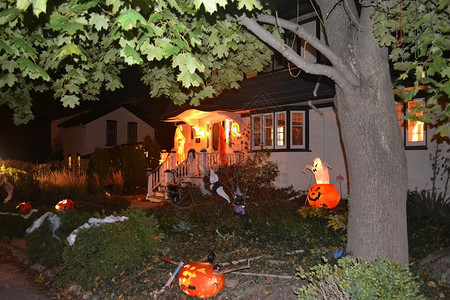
(268,130)
(297,130)
(281,130)
(111,133)
(69,161)
(414,131)
(276,131)
(256,132)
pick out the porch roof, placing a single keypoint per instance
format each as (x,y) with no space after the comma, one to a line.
(266,91)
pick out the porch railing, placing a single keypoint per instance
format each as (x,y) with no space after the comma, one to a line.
(196,165)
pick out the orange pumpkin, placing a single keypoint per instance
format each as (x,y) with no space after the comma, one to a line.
(197,279)
(64,204)
(323,195)
(24,207)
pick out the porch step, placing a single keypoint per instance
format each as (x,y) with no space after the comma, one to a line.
(156,198)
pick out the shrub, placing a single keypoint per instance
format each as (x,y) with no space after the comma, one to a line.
(109,249)
(44,248)
(25,187)
(359,279)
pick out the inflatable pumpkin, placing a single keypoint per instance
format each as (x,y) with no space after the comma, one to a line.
(323,195)
(197,279)
(24,207)
(64,204)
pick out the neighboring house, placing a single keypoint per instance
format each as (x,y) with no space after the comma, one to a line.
(77,136)
(289,113)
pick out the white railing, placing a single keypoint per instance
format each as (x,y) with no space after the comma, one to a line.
(196,165)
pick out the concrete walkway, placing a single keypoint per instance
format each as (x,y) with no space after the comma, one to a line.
(15,283)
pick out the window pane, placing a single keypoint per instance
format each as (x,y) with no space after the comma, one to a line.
(281,129)
(256,131)
(111,133)
(268,130)
(415,128)
(297,128)
(132,133)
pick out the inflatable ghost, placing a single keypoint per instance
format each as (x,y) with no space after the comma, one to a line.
(320,171)
(8,187)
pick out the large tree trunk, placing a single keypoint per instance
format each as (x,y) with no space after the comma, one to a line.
(372,140)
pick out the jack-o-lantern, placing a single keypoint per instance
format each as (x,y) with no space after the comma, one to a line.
(323,195)
(24,207)
(64,204)
(198,279)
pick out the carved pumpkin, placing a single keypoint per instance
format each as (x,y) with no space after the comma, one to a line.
(323,195)
(64,204)
(197,279)
(24,207)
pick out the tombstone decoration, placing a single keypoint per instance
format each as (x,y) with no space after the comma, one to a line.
(323,193)
(9,188)
(216,186)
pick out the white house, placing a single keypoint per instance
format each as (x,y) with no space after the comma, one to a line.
(77,136)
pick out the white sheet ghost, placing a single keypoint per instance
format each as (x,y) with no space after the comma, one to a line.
(217,186)
(320,171)
(7,186)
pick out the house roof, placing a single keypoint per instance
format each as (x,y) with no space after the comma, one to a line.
(267,91)
(91,115)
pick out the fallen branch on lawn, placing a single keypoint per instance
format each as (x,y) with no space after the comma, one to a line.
(241,261)
(266,275)
(233,270)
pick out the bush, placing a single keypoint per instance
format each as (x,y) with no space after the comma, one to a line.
(25,187)
(109,249)
(44,248)
(359,279)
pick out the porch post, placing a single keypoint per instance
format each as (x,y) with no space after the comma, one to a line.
(203,169)
(149,184)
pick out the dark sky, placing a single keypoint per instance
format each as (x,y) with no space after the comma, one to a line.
(31,142)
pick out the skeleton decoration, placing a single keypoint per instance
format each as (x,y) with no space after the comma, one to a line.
(25,216)
(54,222)
(217,187)
(93,222)
(7,186)
(320,171)
(239,208)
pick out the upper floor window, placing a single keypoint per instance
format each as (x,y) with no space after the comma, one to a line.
(414,132)
(111,133)
(279,130)
(132,133)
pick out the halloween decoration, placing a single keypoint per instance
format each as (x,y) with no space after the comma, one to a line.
(93,222)
(54,222)
(64,204)
(323,195)
(9,188)
(217,187)
(222,146)
(320,171)
(24,207)
(239,208)
(199,279)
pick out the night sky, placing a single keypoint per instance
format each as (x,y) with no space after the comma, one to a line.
(31,142)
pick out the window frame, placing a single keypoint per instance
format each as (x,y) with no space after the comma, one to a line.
(111,133)
(287,128)
(411,145)
(132,126)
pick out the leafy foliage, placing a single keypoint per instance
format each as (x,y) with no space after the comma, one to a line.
(417,34)
(25,186)
(359,279)
(81,47)
(109,249)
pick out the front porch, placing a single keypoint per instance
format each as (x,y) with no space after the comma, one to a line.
(192,170)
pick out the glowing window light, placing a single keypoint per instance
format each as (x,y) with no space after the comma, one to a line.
(415,128)
(235,130)
(180,140)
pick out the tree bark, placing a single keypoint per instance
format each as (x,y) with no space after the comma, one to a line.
(369,126)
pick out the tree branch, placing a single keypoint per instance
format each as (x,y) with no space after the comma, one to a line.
(339,73)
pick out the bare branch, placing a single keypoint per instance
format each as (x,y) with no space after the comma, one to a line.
(339,73)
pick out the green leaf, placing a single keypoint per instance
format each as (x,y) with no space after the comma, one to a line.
(69,50)
(8,79)
(131,56)
(209,5)
(220,50)
(99,21)
(249,4)
(8,15)
(152,52)
(70,101)
(128,19)
(443,130)
(187,62)
(24,4)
